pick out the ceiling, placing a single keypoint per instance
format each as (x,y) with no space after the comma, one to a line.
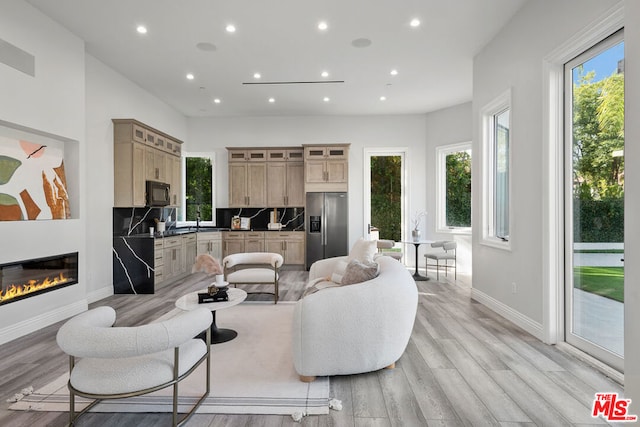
(280,39)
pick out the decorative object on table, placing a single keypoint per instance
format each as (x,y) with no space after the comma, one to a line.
(415,232)
(207,264)
(213,294)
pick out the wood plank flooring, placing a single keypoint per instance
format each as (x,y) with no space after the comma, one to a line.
(464,366)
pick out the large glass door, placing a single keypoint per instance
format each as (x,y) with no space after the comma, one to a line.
(384,198)
(594,250)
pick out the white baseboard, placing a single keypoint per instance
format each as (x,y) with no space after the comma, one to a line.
(526,323)
(99,294)
(12,332)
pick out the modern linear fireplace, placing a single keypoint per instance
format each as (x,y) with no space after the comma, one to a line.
(24,279)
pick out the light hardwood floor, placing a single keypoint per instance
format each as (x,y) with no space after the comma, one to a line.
(464,366)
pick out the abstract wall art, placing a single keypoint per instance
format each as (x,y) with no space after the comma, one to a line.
(33,183)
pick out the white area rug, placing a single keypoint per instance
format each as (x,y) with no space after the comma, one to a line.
(251,374)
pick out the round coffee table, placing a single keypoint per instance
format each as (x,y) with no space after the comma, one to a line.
(189,302)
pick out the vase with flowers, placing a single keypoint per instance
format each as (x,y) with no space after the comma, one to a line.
(415,231)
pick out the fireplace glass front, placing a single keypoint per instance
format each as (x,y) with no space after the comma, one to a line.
(27,278)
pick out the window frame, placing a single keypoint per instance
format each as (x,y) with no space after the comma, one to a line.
(489,114)
(441,199)
(183,208)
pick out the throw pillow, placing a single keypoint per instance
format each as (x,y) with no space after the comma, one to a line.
(363,250)
(358,272)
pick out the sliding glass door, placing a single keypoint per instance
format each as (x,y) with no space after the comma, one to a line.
(594,207)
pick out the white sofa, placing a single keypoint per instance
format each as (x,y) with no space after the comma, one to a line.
(354,328)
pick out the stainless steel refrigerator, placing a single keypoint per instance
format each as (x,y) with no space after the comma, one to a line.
(327,231)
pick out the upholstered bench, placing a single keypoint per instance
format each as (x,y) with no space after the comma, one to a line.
(253,268)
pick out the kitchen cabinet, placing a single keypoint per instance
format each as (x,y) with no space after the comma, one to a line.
(254,241)
(190,250)
(247,155)
(242,241)
(172,255)
(233,242)
(247,184)
(285,177)
(289,244)
(142,153)
(155,165)
(174,178)
(158,261)
(326,167)
(210,243)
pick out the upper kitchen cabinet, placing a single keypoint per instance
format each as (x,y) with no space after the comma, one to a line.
(247,184)
(285,177)
(326,167)
(247,155)
(143,153)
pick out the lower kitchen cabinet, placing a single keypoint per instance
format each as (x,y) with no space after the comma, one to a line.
(210,243)
(289,244)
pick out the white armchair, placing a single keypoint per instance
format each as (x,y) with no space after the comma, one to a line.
(118,362)
(253,268)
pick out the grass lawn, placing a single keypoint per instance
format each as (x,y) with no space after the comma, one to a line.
(605,281)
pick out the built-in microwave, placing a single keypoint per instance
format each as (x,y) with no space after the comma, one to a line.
(158,193)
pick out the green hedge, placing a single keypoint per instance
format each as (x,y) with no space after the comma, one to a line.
(597,221)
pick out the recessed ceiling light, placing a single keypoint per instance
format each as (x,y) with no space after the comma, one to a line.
(272,100)
(325,74)
(230,28)
(383,98)
(257,75)
(394,72)
(190,76)
(326,99)
(415,22)
(216,100)
(141,29)
(322,25)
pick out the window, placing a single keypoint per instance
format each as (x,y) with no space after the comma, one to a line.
(454,187)
(199,198)
(496,141)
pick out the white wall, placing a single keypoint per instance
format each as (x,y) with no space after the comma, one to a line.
(109,95)
(214,134)
(448,126)
(632,204)
(513,60)
(52,102)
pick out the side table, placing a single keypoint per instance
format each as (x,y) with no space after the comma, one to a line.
(189,302)
(417,276)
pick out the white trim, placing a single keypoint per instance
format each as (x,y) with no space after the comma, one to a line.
(403,152)
(526,323)
(553,167)
(40,321)
(441,158)
(487,114)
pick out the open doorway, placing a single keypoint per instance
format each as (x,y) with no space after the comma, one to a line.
(385,201)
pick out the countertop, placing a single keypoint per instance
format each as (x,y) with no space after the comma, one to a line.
(189,230)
